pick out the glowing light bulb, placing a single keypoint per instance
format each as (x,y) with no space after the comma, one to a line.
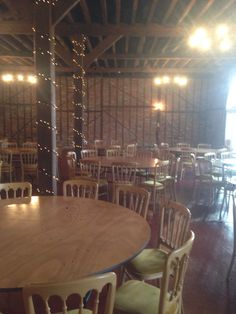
(20,77)
(222,31)
(158,106)
(166,79)
(32,79)
(225,45)
(157,81)
(7,77)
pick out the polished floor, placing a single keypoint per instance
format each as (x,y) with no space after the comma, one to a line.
(206,290)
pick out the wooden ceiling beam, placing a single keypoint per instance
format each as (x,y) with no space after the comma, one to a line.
(16,27)
(187,9)
(61,9)
(100,48)
(85,10)
(16,54)
(154,56)
(118,7)
(202,70)
(94,29)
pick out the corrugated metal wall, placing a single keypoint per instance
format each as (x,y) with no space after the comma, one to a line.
(121,108)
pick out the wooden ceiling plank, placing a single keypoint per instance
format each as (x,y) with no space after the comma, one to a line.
(134,11)
(169,11)
(118,7)
(104,11)
(100,48)
(18,8)
(94,29)
(16,54)
(85,10)
(205,9)
(151,12)
(187,9)
(23,42)
(61,9)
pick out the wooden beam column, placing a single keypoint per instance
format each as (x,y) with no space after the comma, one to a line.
(78,81)
(46,98)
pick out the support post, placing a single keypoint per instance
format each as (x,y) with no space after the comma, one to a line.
(45,97)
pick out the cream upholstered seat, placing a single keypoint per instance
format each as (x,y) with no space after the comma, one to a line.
(157,181)
(174,229)
(133,197)
(15,190)
(138,297)
(182,145)
(81,188)
(68,290)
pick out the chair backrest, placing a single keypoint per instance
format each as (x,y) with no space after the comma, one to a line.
(210,155)
(77,290)
(6,157)
(124,172)
(164,145)
(98,144)
(173,278)
(15,190)
(1,170)
(133,197)
(88,153)
(174,225)
(144,154)
(112,152)
(131,150)
(81,188)
(225,155)
(201,145)
(29,145)
(9,145)
(90,168)
(182,145)
(29,163)
(203,167)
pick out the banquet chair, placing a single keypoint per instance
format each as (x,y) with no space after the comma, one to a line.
(15,190)
(174,229)
(1,170)
(92,170)
(9,145)
(185,163)
(205,182)
(144,154)
(112,152)
(98,144)
(229,187)
(131,150)
(30,145)
(136,296)
(234,239)
(29,164)
(202,145)
(123,173)
(81,188)
(156,182)
(133,197)
(182,145)
(64,293)
(7,165)
(88,153)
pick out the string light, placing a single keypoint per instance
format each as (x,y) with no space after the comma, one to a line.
(78,50)
(10,78)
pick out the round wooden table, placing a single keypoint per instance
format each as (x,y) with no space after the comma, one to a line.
(59,239)
(141,162)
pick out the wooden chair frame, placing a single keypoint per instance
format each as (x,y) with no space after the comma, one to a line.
(15,190)
(81,188)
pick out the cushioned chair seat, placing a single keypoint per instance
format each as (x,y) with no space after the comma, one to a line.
(139,297)
(84,311)
(149,263)
(151,184)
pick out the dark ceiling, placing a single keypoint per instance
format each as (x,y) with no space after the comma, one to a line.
(122,36)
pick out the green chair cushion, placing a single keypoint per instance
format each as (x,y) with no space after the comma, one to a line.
(138,297)
(150,183)
(149,264)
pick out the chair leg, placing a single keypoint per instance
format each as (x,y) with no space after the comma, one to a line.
(231,264)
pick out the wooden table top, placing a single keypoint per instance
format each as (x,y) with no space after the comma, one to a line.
(197,150)
(141,162)
(59,239)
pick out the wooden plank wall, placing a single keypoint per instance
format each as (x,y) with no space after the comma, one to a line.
(121,109)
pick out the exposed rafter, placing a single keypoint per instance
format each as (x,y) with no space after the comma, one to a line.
(62,9)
